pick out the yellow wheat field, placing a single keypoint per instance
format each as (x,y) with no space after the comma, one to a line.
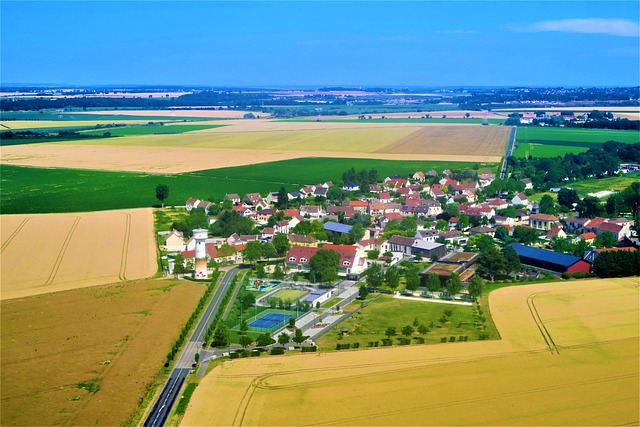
(568,356)
(223,147)
(55,252)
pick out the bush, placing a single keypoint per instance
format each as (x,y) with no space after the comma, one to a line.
(234,356)
(356,345)
(386,342)
(255,353)
(443,339)
(276,350)
(343,346)
(452,339)
(311,349)
(404,341)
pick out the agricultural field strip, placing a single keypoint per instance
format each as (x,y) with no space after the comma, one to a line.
(495,351)
(65,264)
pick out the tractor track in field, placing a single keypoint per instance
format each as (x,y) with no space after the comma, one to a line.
(63,250)
(125,249)
(14,234)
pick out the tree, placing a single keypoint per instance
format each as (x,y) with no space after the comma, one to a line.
(269,250)
(422,330)
(260,272)
(442,225)
(245,341)
(362,292)
(281,243)
(373,254)
(178,264)
(221,335)
(278,273)
(243,326)
(525,235)
(324,264)
(392,277)
(247,299)
(491,263)
(463,222)
(283,339)
(298,337)
(375,275)
(265,339)
(476,286)
(162,192)
(356,233)
(407,330)
(511,260)
(252,251)
(617,264)
(606,240)
(567,197)
(196,357)
(433,282)
(390,332)
(479,243)
(454,284)
(590,207)
(547,205)
(412,279)
(283,198)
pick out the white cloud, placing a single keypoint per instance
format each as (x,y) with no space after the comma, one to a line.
(611,26)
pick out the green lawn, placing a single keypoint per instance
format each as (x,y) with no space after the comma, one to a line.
(561,136)
(290,294)
(370,323)
(525,149)
(71,117)
(594,185)
(149,129)
(331,303)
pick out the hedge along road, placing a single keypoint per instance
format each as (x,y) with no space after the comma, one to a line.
(164,404)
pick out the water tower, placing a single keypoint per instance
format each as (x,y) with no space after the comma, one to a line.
(200,235)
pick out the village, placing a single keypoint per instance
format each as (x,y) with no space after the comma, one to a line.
(427,216)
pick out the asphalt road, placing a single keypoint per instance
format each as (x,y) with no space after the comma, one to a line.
(512,140)
(164,404)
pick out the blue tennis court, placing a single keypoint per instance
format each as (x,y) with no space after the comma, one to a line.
(269,320)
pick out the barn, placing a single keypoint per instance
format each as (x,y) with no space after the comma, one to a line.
(549,260)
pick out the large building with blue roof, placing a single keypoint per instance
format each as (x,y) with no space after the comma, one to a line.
(549,260)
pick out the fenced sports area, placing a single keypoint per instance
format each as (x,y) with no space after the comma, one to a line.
(269,320)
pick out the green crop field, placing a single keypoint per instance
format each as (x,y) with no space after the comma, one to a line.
(42,190)
(371,322)
(71,117)
(150,129)
(593,185)
(290,294)
(552,142)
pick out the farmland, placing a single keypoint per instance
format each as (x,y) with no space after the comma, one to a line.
(150,129)
(590,323)
(50,253)
(40,190)
(551,142)
(257,141)
(87,356)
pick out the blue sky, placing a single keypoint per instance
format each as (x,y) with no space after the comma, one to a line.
(428,43)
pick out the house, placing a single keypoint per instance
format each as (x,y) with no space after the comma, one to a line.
(374,188)
(317,298)
(434,208)
(520,199)
(527,183)
(298,240)
(427,235)
(272,197)
(351,261)
(377,209)
(267,233)
(204,205)
(620,231)
(336,227)
(543,222)
(350,186)
(391,216)
(233,197)
(360,206)
(371,244)
(549,260)
(263,215)
(589,237)
(555,232)
(291,212)
(174,241)
(418,176)
(315,212)
(384,197)
(191,203)
(294,195)
(428,249)
(482,230)
(486,177)
(453,237)
(497,203)
(283,227)
(252,198)
(401,244)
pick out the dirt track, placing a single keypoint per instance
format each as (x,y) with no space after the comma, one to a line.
(538,374)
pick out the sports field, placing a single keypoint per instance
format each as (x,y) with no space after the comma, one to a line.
(268,320)
(247,142)
(290,294)
(57,252)
(86,356)
(568,356)
(551,142)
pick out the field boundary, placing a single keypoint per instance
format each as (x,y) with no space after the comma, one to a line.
(125,248)
(551,345)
